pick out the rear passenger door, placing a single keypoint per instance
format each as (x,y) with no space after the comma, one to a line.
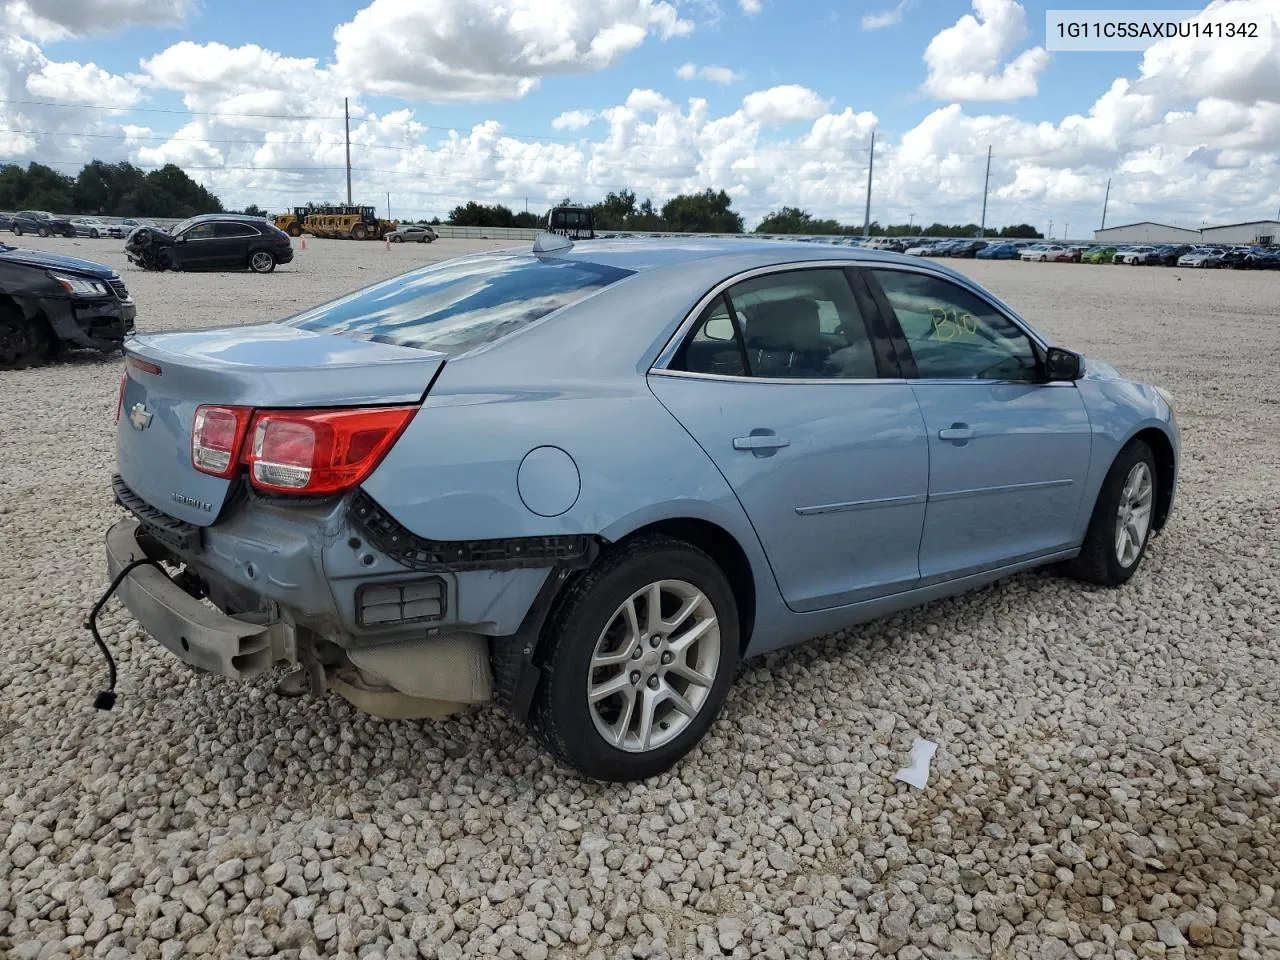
(787,380)
(233,240)
(1008,451)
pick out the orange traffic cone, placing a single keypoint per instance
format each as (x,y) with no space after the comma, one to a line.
(386,244)
(303,244)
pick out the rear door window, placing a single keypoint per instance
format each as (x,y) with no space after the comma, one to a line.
(461,304)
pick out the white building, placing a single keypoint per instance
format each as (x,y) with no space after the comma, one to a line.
(1146,232)
(1254,231)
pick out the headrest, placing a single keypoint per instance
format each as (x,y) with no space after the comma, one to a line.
(790,324)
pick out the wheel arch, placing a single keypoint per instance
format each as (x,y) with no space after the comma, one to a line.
(722,547)
(1166,470)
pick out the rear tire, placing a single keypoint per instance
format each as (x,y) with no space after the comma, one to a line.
(17,230)
(397,239)
(1125,508)
(93,234)
(23,342)
(42,231)
(359,232)
(687,654)
(262,261)
(295,230)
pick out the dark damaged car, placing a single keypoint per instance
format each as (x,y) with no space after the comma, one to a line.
(50,302)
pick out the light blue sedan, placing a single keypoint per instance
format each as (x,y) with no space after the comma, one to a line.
(584,480)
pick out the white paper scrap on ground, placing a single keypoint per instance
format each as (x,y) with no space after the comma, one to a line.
(917,774)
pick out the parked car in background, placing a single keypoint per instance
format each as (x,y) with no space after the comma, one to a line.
(998,251)
(1202,257)
(90,227)
(129,224)
(411,233)
(215,241)
(412,495)
(1067,255)
(1166,255)
(1240,258)
(42,224)
(1099,255)
(6,221)
(921,249)
(48,302)
(1133,256)
(1041,252)
(967,249)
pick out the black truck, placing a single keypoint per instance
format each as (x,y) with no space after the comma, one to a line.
(50,302)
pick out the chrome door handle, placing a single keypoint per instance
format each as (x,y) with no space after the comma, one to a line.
(957,433)
(760,441)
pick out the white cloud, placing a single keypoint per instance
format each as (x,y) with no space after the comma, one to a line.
(721,75)
(59,19)
(884,18)
(1188,136)
(967,61)
(466,50)
(750,7)
(784,104)
(574,119)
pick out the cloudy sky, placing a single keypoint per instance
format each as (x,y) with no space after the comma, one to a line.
(772,100)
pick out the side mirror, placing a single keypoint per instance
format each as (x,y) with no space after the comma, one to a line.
(1062,364)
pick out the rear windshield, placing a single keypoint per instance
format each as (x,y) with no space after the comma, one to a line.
(460,304)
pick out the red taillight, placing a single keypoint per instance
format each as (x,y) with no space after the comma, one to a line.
(320,451)
(216,436)
(124,379)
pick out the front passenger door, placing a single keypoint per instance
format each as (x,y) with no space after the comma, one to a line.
(1008,452)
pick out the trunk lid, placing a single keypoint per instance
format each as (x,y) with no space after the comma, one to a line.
(266,367)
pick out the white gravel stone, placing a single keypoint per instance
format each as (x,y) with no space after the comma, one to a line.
(1105,783)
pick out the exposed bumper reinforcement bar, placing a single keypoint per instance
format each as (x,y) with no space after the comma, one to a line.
(191,630)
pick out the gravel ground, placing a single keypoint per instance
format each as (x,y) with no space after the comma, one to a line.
(1105,784)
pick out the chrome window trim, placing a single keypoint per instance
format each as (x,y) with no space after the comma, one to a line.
(667,354)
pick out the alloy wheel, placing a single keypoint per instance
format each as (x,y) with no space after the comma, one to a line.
(1133,518)
(261,261)
(653,665)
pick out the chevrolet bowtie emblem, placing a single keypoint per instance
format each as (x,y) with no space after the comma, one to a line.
(139,416)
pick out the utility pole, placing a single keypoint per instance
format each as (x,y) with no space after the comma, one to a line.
(346,111)
(1066,231)
(911,221)
(1104,205)
(388,204)
(1050,229)
(871,163)
(982,230)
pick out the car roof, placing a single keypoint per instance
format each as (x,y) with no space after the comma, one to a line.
(620,329)
(642,253)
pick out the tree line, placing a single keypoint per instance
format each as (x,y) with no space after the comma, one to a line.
(105,189)
(711,211)
(123,190)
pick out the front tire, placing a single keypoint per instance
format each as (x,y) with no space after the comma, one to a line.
(359,232)
(1122,520)
(262,261)
(42,231)
(17,230)
(23,342)
(639,654)
(397,239)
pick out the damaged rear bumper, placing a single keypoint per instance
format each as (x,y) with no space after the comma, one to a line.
(193,631)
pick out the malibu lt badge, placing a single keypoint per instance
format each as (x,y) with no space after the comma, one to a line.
(139,416)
